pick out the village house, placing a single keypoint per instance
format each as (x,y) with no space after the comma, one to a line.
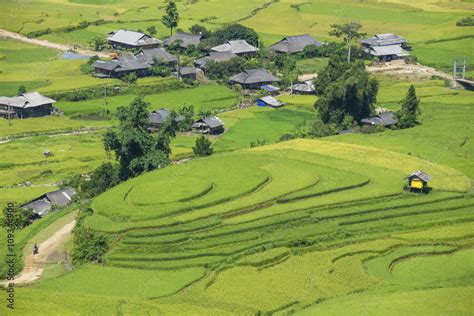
(131,39)
(159,117)
(208,125)
(418,180)
(149,55)
(294,44)
(306,87)
(253,78)
(386,47)
(385,119)
(189,73)
(185,39)
(214,57)
(26,105)
(43,205)
(238,47)
(121,66)
(269,101)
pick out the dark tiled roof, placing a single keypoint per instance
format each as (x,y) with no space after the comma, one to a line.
(61,197)
(187,39)
(384,119)
(148,56)
(214,56)
(253,76)
(388,50)
(187,71)
(27,100)
(294,44)
(211,121)
(40,206)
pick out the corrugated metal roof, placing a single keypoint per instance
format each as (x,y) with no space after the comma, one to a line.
(383,119)
(384,40)
(419,174)
(294,44)
(132,38)
(61,197)
(307,86)
(211,121)
(271,101)
(388,51)
(236,47)
(159,116)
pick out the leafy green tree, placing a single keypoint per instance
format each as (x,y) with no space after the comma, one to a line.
(348,32)
(21,89)
(151,30)
(103,178)
(135,148)
(203,147)
(354,94)
(171,17)
(160,68)
(409,109)
(130,78)
(99,43)
(187,113)
(16,217)
(335,68)
(224,69)
(232,32)
(199,30)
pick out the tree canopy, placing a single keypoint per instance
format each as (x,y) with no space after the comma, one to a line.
(171,17)
(351,97)
(409,109)
(348,32)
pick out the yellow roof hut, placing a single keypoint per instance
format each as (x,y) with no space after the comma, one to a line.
(418,181)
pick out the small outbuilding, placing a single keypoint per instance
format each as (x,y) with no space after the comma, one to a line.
(306,87)
(159,117)
(418,181)
(385,119)
(208,125)
(271,89)
(189,73)
(43,205)
(149,56)
(269,101)
(131,39)
(31,104)
(253,78)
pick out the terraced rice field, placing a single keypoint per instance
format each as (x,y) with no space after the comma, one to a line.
(288,227)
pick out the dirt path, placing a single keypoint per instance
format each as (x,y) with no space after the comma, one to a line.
(44,43)
(34,264)
(399,67)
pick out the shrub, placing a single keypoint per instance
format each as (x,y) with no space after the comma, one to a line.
(468,21)
(203,147)
(17,218)
(101,179)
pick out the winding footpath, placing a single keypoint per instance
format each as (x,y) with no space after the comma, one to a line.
(44,43)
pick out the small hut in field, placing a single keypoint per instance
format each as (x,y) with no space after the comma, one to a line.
(418,181)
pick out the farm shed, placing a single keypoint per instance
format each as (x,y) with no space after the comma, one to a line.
(239,47)
(418,180)
(386,47)
(215,57)
(159,117)
(188,73)
(306,87)
(383,119)
(121,66)
(185,39)
(42,205)
(150,54)
(253,78)
(270,101)
(270,89)
(208,125)
(294,44)
(131,39)
(30,104)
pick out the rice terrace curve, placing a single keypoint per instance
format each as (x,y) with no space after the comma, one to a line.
(238,157)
